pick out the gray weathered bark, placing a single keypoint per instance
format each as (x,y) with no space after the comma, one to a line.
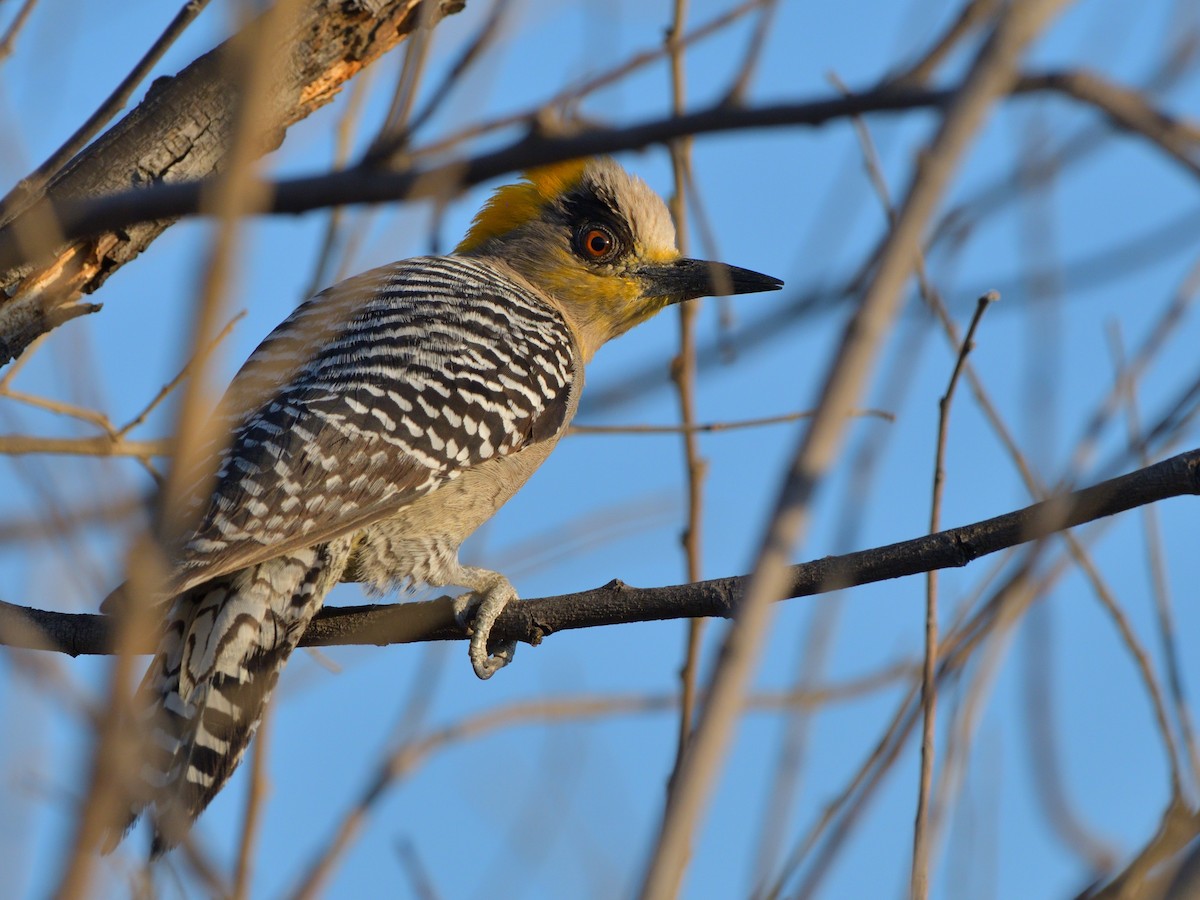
(181,131)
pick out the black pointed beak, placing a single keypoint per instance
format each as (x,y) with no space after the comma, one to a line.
(687,279)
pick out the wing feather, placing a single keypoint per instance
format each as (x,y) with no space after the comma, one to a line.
(373,394)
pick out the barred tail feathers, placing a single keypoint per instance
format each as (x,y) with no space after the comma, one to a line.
(218,662)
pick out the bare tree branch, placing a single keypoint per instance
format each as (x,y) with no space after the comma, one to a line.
(95,445)
(81,218)
(617,603)
(31,187)
(991,75)
(8,41)
(182,132)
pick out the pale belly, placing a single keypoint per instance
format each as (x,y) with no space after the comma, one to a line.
(419,545)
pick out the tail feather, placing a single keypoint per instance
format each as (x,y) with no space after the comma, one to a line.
(203,696)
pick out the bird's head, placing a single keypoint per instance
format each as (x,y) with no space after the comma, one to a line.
(601,243)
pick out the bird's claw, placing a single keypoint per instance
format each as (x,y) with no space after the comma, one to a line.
(476,614)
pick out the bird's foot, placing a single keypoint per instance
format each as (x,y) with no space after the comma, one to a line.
(477,612)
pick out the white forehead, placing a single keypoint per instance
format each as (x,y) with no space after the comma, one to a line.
(641,207)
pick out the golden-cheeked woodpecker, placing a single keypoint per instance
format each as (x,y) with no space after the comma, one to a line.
(383,422)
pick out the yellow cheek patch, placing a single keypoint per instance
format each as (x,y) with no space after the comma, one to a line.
(590,295)
(597,308)
(515,204)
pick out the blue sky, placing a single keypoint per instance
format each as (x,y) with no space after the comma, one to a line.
(570,808)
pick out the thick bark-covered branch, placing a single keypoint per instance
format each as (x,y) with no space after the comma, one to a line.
(182,132)
(617,603)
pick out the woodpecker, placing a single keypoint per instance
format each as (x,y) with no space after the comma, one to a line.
(376,428)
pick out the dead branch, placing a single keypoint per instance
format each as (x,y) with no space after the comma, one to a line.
(182,132)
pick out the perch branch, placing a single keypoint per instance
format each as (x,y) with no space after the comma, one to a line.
(617,603)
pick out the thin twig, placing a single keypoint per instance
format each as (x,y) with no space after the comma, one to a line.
(711,427)
(1156,562)
(817,641)
(958,732)
(31,187)
(997,615)
(860,785)
(820,629)
(111,512)
(919,885)
(18,364)
(8,42)
(1167,324)
(252,816)
(683,374)
(991,77)
(1130,110)
(487,34)
(98,445)
(970,17)
(420,882)
(115,746)
(1038,689)
(113,441)
(346,126)
(413,712)
(572,95)
(410,754)
(198,359)
(1141,661)
(362,184)
(62,408)
(392,138)
(754,51)
(1092,431)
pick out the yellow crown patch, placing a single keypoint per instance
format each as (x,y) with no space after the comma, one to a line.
(515,204)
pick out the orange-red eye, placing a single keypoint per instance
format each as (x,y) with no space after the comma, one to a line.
(596,243)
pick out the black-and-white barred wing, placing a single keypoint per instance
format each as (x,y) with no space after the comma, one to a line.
(376,392)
